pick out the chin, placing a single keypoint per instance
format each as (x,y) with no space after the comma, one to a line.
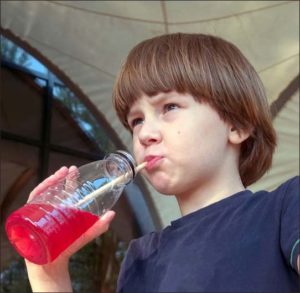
(163,182)
(164,191)
(162,186)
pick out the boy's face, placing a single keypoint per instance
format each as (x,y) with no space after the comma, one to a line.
(184,141)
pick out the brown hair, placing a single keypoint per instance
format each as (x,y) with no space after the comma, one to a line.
(213,71)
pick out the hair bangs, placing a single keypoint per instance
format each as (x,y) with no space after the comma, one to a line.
(150,68)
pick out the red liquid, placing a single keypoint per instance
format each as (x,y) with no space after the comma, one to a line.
(40,232)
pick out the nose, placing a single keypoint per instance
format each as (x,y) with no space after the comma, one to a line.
(149,133)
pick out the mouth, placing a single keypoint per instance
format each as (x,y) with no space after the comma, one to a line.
(152,161)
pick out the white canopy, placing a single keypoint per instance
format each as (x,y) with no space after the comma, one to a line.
(87,40)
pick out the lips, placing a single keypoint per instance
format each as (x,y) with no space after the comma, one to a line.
(152,161)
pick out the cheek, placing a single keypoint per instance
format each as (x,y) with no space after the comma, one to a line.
(208,140)
(215,144)
(136,149)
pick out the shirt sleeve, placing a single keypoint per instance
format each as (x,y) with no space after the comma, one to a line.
(290,222)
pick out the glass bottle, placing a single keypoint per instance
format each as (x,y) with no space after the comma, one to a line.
(47,225)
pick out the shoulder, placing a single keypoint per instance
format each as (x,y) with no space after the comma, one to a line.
(289,186)
(286,190)
(289,220)
(270,205)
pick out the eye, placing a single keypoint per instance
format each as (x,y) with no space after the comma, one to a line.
(136,122)
(170,107)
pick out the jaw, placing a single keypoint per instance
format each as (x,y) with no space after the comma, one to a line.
(160,182)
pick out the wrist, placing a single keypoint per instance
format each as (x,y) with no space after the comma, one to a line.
(52,277)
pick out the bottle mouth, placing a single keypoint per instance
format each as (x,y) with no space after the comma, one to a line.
(128,158)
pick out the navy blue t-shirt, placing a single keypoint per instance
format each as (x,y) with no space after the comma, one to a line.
(248,242)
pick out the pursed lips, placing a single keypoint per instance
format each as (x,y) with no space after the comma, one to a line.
(152,161)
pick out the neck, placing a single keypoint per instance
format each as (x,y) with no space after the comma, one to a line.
(208,193)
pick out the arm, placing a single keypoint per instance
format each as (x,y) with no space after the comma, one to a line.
(54,277)
(289,223)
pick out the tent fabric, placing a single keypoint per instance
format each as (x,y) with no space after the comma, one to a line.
(88,41)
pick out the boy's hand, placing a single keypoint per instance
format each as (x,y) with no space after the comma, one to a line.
(54,277)
(51,180)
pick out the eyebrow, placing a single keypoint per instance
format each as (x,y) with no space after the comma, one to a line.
(155,100)
(132,113)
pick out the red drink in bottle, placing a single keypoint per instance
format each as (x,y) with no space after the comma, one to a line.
(47,225)
(40,232)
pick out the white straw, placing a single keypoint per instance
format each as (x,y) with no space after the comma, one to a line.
(107,186)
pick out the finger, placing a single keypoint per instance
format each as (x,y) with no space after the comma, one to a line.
(58,175)
(100,227)
(71,179)
(73,173)
(61,172)
(73,168)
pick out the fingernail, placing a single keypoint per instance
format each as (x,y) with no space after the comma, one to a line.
(62,169)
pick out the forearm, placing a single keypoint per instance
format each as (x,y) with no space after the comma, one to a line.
(49,278)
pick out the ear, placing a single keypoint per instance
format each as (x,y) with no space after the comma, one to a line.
(237,136)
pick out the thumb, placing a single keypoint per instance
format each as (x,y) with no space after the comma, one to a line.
(102,225)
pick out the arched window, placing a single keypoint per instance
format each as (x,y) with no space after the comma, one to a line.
(45,125)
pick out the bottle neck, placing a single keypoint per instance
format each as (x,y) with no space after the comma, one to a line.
(120,163)
(128,158)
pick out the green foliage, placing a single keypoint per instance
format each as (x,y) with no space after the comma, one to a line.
(14,278)
(96,267)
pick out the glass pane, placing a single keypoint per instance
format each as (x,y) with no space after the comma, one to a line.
(66,132)
(57,160)
(21,103)
(41,82)
(84,118)
(15,54)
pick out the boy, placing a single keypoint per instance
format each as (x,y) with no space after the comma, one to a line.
(198,115)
